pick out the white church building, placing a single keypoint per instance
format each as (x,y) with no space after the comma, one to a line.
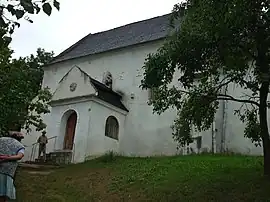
(98,106)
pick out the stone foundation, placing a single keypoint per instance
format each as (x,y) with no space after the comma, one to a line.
(60,157)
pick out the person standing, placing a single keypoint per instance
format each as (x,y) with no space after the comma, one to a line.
(11,151)
(42,141)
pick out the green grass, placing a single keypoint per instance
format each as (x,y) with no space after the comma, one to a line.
(186,178)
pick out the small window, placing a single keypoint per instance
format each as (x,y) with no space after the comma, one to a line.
(112,128)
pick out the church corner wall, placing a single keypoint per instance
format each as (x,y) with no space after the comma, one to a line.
(97,142)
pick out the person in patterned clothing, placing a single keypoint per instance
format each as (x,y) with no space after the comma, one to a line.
(11,151)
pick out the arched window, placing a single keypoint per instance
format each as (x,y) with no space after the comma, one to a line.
(112,128)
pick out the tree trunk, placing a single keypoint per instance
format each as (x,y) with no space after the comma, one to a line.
(264,127)
(266,160)
(266,146)
(263,67)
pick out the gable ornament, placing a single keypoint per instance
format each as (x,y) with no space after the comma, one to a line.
(72,87)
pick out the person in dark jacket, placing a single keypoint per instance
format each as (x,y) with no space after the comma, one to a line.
(42,141)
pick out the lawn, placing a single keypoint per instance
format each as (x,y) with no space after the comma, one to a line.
(181,178)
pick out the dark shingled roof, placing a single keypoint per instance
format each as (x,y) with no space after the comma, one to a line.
(120,37)
(108,95)
(104,93)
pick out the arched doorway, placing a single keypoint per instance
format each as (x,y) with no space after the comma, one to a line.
(70,131)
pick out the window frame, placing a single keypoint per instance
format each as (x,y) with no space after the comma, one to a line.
(112,130)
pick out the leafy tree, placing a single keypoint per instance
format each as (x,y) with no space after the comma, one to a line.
(228,43)
(20,84)
(35,64)
(13,10)
(20,79)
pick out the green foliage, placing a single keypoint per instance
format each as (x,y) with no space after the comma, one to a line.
(22,101)
(47,8)
(253,129)
(20,84)
(227,42)
(35,63)
(12,11)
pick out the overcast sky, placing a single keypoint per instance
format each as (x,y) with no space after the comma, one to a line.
(78,18)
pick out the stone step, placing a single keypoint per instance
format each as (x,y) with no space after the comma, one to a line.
(59,157)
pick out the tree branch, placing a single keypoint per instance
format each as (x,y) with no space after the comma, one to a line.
(250,97)
(226,97)
(249,85)
(223,84)
(231,98)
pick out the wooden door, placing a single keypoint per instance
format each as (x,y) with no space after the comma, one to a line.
(70,131)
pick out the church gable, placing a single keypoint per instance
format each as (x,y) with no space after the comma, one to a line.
(76,83)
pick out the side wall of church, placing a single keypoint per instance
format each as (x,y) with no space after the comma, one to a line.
(97,142)
(145,133)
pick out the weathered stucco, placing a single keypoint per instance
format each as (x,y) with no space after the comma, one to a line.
(142,133)
(234,128)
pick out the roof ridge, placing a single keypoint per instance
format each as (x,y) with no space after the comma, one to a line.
(81,40)
(132,23)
